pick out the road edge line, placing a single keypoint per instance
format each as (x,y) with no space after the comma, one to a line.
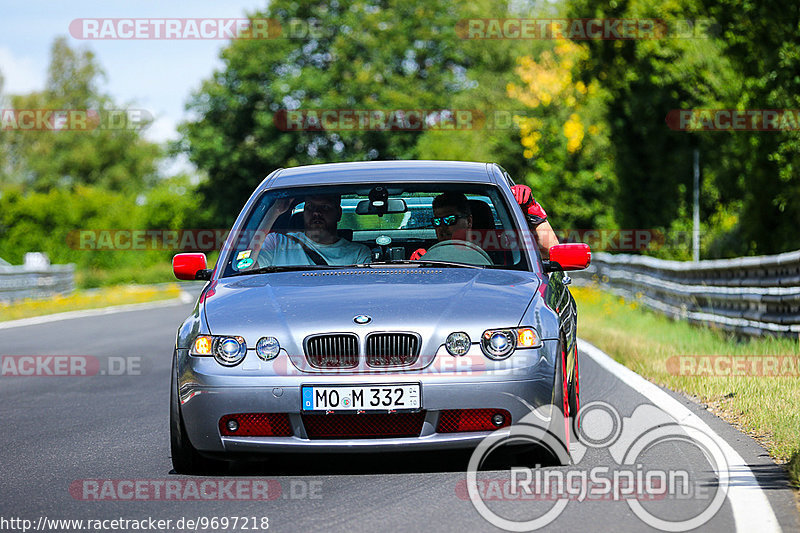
(751,508)
(184,298)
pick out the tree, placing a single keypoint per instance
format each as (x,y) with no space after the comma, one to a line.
(565,137)
(365,55)
(748,60)
(97,151)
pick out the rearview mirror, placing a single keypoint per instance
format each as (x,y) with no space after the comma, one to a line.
(394,205)
(573,256)
(190,266)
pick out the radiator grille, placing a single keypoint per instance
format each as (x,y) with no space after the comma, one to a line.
(332,351)
(392,349)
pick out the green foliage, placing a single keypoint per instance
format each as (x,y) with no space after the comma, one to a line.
(568,155)
(749,60)
(118,159)
(55,221)
(367,55)
(57,186)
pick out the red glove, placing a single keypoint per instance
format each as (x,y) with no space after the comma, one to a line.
(529,205)
(418,253)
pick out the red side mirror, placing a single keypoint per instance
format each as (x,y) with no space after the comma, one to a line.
(188,266)
(574,256)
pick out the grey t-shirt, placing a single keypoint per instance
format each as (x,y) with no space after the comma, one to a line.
(280,250)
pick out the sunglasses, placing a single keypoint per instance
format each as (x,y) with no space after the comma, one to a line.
(446,221)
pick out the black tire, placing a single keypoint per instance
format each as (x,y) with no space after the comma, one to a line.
(575,399)
(560,428)
(185,458)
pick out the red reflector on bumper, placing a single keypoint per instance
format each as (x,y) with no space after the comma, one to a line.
(461,420)
(256,425)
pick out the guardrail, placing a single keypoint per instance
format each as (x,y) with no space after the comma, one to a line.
(18,282)
(748,295)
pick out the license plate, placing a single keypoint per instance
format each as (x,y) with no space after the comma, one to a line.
(402,397)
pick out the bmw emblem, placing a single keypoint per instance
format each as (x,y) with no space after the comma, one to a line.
(362,319)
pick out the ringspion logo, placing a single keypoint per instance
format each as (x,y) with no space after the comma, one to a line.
(626,439)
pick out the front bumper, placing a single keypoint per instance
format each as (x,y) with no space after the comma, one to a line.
(207,393)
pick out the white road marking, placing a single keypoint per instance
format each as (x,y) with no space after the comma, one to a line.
(183,299)
(751,509)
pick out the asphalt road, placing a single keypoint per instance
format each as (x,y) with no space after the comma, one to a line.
(69,440)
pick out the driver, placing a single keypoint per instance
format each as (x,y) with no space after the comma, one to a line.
(318,244)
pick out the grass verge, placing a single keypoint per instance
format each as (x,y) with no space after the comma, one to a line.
(157,273)
(88,299)
(665,352)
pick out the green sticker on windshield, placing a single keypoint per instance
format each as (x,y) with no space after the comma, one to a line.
(244,263)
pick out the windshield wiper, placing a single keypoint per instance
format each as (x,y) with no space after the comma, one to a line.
(448,264)
(286,268)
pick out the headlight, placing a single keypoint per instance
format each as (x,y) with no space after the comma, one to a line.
(500,343)
(457,343)
(227,351)
(267,348)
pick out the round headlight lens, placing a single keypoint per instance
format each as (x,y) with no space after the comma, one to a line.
(230,350)
(498,344)
(267,348)
(458,343)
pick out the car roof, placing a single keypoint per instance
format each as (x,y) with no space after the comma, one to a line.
(380,171)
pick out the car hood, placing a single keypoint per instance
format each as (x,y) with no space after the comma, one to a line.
(428,301)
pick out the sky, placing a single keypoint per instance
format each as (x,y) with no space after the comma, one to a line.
(155,75)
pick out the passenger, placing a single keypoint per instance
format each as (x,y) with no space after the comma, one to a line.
(319,242)
(457,207)
(537,219)
(451,214)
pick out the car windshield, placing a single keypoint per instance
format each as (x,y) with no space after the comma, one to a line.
(466,225)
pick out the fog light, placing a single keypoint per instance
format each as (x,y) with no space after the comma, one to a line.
(498,420)
(233,425)
(268,348)
(458,343)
